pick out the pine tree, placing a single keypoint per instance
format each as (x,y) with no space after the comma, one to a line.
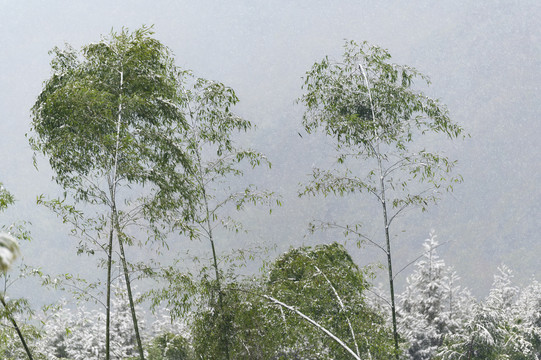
(78,335)
(527,314)
(492,331)
(432,304)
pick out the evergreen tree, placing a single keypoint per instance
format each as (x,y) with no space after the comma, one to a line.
(432,304)
(527,314)
(78,334)
(491,331)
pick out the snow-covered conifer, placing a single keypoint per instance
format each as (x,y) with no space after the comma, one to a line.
(432,304)
(79,334)
(527,317)
(493,331)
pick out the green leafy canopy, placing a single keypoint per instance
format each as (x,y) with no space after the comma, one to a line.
(370,107)
(114,105)
(366,99)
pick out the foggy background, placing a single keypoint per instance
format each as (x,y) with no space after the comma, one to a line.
(483,58)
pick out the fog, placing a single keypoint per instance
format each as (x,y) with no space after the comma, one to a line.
(483,57)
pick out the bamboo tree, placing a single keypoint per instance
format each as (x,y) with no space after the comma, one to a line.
(377,120)
(110,123)
(217,157)
(324,285)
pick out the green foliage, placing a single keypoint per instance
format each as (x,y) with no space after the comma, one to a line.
(239,324)
(169,347)
(9,247)
(6,198)
(111,121)
(124,128)
(178,294)
(14,337)
(325,284)
(11,347)
(338,98)
(368,106)
(321,282)
(216,158)
(113,112)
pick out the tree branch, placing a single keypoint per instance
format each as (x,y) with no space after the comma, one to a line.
(305,317)
(343,309)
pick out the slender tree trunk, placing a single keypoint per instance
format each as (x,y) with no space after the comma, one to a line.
(108,303)
(211,239)
(12,319)
(225,333)
(383,201)
(112,192)
(201,180)
(130,296)
(389,261)
(115,223)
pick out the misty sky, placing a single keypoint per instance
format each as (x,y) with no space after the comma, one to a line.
(484,59)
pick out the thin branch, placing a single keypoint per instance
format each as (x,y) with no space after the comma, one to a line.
(395,166)
(379,296)
(346,228)
(99,193)
(19,333)
(343,309)
(85,291)
(420,256)
(130,217)
(402,208)
(305,317)
(407,204)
